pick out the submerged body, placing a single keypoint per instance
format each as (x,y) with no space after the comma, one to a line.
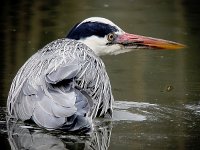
(65,84)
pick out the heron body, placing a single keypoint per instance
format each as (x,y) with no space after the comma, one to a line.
(65,84)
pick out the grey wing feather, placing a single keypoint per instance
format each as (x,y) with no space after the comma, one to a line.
(63,80)
(63,72)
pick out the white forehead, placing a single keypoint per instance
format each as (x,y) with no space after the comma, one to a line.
(100,19)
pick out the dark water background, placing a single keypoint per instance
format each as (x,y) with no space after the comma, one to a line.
(157,92)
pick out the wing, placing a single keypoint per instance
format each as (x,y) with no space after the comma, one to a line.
(59,86)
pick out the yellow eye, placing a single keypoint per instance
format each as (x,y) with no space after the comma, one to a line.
(110,36)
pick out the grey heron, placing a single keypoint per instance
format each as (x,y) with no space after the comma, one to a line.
(65,84)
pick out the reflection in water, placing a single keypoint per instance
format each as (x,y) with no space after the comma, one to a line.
(29,136)
(21,136)
(134,125)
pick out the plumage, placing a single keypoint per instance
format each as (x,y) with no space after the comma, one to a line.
(65,85)
(64,80)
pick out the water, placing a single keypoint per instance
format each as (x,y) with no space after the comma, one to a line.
(157,92)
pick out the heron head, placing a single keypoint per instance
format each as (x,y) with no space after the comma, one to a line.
(104,37)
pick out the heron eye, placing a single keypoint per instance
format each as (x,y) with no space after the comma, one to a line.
(110,37)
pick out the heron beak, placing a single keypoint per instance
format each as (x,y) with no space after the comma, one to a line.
(130,41)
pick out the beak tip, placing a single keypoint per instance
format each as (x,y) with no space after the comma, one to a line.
(177,46)
(167,45)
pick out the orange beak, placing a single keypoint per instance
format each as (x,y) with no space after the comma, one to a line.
(131,41)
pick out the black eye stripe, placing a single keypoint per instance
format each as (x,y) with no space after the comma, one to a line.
(88,29)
